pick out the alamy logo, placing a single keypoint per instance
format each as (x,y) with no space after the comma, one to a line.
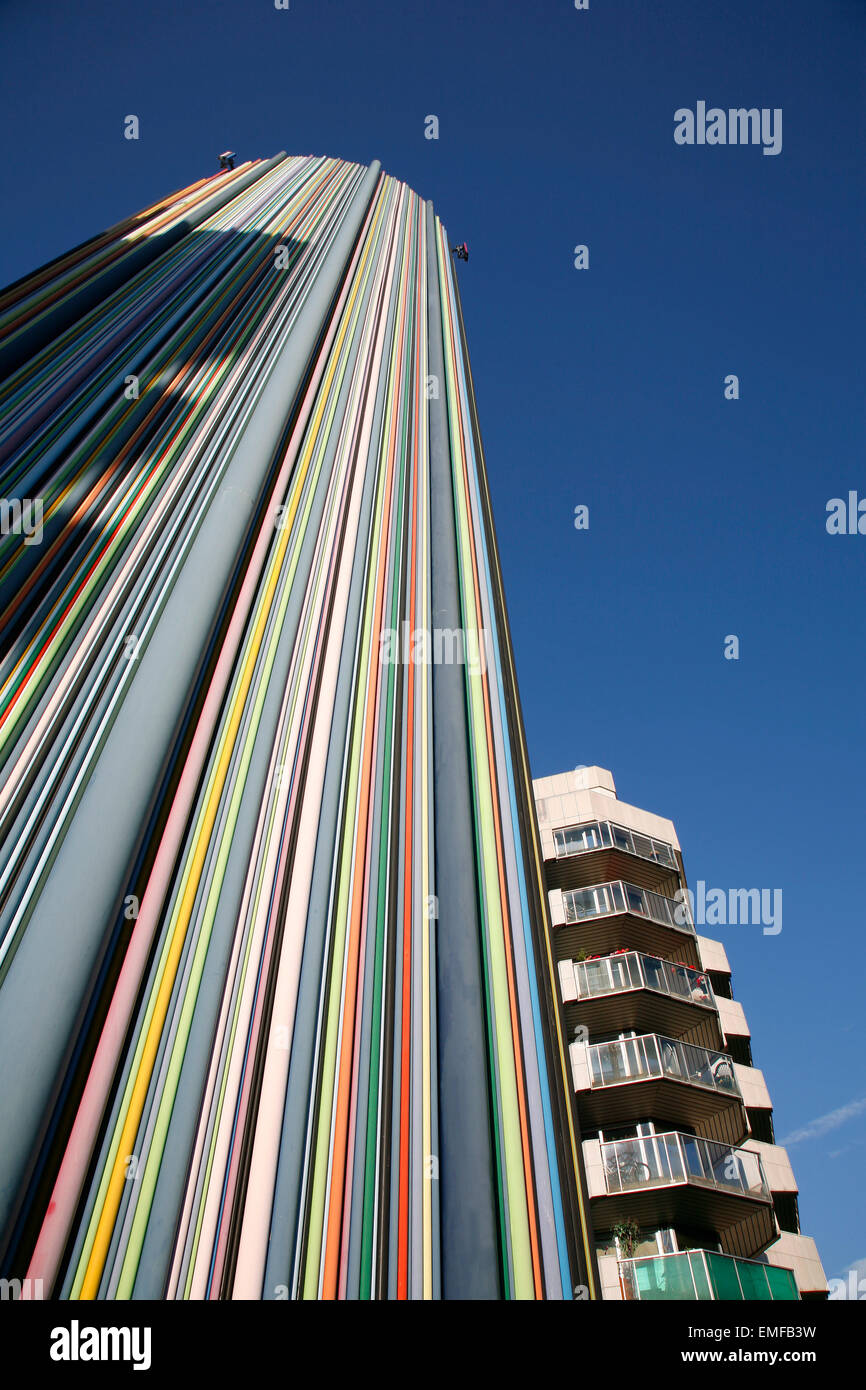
(15,1289)
(854,1289)
(846,519)
(76,1343)
(19,518)
(744,907)
(443,646)
(736,126)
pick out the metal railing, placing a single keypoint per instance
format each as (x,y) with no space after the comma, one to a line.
(629,970)
(652,1056)
(663,1160)
(604,834)
(704,1276)
(607,899)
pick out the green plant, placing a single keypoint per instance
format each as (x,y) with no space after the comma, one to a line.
(627,1234)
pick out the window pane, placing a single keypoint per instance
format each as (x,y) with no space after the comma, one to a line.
(782,1283)
(699,1274)
(723,1276)
(753,1278)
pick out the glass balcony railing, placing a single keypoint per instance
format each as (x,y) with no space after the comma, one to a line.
(629,970)
(703,1276)
(603,834)
(651,1056)
(606,899)
(662,1160)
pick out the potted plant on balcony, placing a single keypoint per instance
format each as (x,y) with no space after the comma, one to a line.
(627,1236)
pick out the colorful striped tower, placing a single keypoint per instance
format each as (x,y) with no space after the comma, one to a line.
(276,1004)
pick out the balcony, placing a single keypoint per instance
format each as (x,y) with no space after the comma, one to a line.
(610,916)
(631,990)
(703,1276)
(683,1180)
(598,850)
(631,1079)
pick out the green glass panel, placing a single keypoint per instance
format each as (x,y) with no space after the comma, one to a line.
(753,1278)
(699,1274)
(723,1277)
(677,1278)
(665,1278)
(783,1285)
(650,1278)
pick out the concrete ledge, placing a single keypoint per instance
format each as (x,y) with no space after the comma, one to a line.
(753,1087)
(713,955)
(800,1254)
(732,1018)
(777,1165)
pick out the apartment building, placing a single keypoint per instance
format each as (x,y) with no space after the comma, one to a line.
(689,1196)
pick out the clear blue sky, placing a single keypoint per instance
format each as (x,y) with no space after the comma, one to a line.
(603,387)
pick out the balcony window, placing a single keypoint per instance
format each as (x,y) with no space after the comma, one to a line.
(703,1276)
(656,850)
(627,970)
(622,839)
(668,1159)
(647,1056)
(607,975)
(634,899)
(599,901)
(579,839)
(603,899)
